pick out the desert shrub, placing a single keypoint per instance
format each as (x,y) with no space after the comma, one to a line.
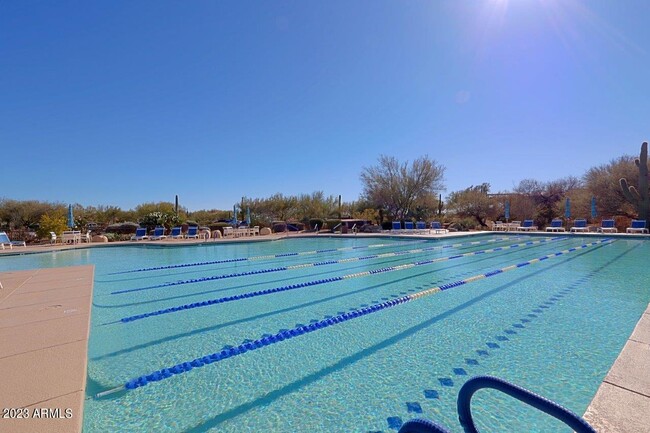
(56,223)
(126,228)
(313,222)
(370,228)
(218,226)
(331,223)
(156,219)
(278,227)
(463,224)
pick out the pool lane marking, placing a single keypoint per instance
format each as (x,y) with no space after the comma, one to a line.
(247,295)
(289,268)
(302,253)
(304,329)
(265,257)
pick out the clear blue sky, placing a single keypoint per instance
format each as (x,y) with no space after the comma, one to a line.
(124,102)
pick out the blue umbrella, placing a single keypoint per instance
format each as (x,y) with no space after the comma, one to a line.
(507,210)
(234,214)
(70,217)
(248,216)
(593,207)
(567,208)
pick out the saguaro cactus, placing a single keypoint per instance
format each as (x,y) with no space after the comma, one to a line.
(639,197)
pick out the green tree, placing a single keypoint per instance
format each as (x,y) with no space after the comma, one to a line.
(55,222)
(165,219)
(474,202)
(398,188)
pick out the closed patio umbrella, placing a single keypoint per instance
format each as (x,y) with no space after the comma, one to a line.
(70,217)
(567,208)
(507,210)
(248,216)
(593,207)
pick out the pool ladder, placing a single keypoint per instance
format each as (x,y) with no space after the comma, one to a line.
(578,424)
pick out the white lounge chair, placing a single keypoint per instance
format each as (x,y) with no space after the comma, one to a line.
(437,227)
(527,226)
(176,233)
(556,226)
(158,234)
(607,226)
(192,232)
(5,241)
(71,236)
(140,234)
(638,226)
(579,225)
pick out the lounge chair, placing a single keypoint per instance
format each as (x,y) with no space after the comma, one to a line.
(397,227)
(71,236)
(638,226)
(140,234)
(192,232)
(579,225)
(526,226)
(607,226)
(158,234)
(556,226)
(498,226)
(437,227)
(176,233)
(409,227)
(5,241)
(421,227)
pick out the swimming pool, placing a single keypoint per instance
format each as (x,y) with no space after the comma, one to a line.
(386,355)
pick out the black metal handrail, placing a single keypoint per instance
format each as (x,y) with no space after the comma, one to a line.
(470,387)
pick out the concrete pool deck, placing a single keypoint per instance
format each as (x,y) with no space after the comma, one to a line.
(44,324)
(44,327)
(622,403)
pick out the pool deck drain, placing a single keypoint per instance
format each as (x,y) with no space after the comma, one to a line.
(44,327)
(622,403)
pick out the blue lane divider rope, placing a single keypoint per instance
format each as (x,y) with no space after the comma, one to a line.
(305,253)
(247,295)
(265,257)
(305,329)
(278,269)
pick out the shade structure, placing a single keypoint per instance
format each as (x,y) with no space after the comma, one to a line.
(70,217)
(248,216)
(593,207)
(567,208)
(507,210)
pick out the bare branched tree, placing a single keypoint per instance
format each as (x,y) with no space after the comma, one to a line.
(398,188)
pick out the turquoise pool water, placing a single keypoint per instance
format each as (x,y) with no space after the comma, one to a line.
(554,326)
